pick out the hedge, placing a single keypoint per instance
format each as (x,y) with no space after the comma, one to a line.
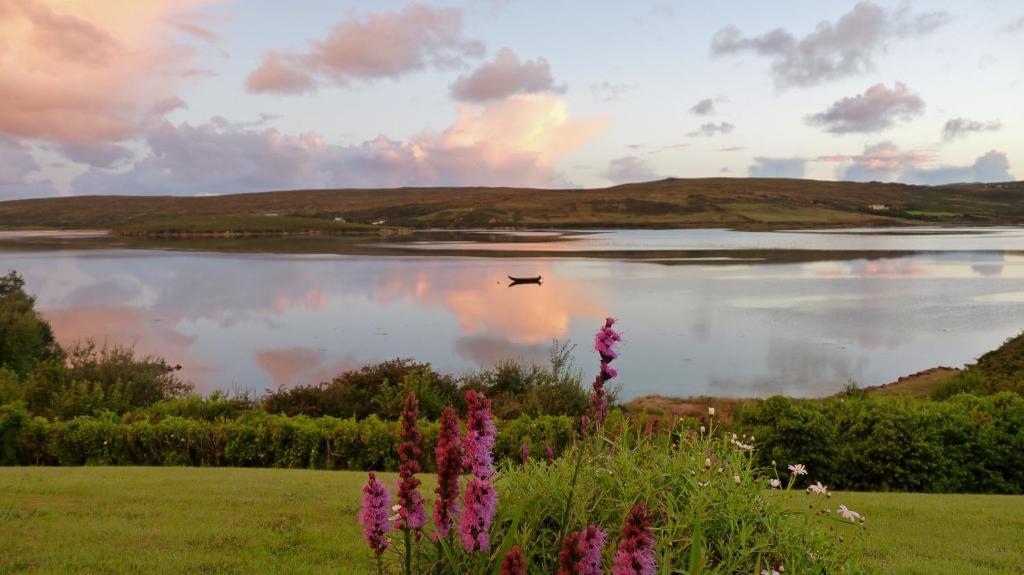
(966,444)
(258,440)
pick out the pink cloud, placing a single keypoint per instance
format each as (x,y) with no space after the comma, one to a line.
(504,76)
(877,109)
(885,161)
(384,45)
(86,71)
(514,142)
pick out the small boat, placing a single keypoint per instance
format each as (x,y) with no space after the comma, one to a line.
(526,280)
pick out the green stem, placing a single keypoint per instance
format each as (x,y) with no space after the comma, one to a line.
(408,551)
(572,491)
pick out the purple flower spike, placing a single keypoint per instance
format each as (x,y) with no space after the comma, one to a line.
(477,514)
(635,554)
(448,455)
(479,441)
(410,514)
(373,515)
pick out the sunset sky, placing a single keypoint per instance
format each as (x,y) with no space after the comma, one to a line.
(211,97)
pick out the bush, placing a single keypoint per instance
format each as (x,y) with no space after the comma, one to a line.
(371,389)
(88,380)
(515,389)
(518,389)
(253,440)
(25,337)
(968,444)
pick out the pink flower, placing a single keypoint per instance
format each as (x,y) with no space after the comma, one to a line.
(524,453)
(448,455)
(373,515)
(479,440)
(549,455)
(604,344)
(591,543)
(411,514)
(477,514)
(481,496)
(514,563)
(635,554)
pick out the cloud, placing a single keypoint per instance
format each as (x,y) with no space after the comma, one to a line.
(513,142)
(877,109)
(705,107)
(630,169)
(504,76)
(960,127)
(99,154)
(885,161)
(16,168)
(1015,26)
(833,51)
(84,72)
(201,32)
(609,91)
(994,166)
(301,365)
(712,129)
(777,168)
(384,45)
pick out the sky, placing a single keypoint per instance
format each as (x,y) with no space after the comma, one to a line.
(202,97)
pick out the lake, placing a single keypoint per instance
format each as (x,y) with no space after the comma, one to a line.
(702,311)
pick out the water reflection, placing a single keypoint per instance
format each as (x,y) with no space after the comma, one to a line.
(747,329)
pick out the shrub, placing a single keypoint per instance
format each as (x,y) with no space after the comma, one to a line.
(253,440)
(88,380)
(368,390)
(25,337)
(965,444)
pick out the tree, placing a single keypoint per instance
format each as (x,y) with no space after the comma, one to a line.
(25,337)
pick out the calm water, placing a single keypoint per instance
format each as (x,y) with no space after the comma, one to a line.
(747,328)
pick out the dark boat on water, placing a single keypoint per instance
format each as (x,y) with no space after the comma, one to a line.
(526,280)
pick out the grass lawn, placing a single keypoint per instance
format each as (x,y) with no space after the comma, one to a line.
(188,520)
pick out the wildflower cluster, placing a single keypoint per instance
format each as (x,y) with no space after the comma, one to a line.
(448,456)
(374,515)
(581,552)
(481,495)
(635,554)
(604,343)
(410,513)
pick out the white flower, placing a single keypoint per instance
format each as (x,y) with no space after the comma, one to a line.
(817,488)
(707,462)
(736,478)
(772,572)
(711,411)
(702,429)
(848,513)
(798,469)
(396,508)
(775,483)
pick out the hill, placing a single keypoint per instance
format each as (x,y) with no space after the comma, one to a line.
(711,202)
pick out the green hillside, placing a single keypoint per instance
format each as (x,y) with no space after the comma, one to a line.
(711,202)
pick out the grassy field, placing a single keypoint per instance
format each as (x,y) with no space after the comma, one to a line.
(188,520)
(251,224)
(710,202)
